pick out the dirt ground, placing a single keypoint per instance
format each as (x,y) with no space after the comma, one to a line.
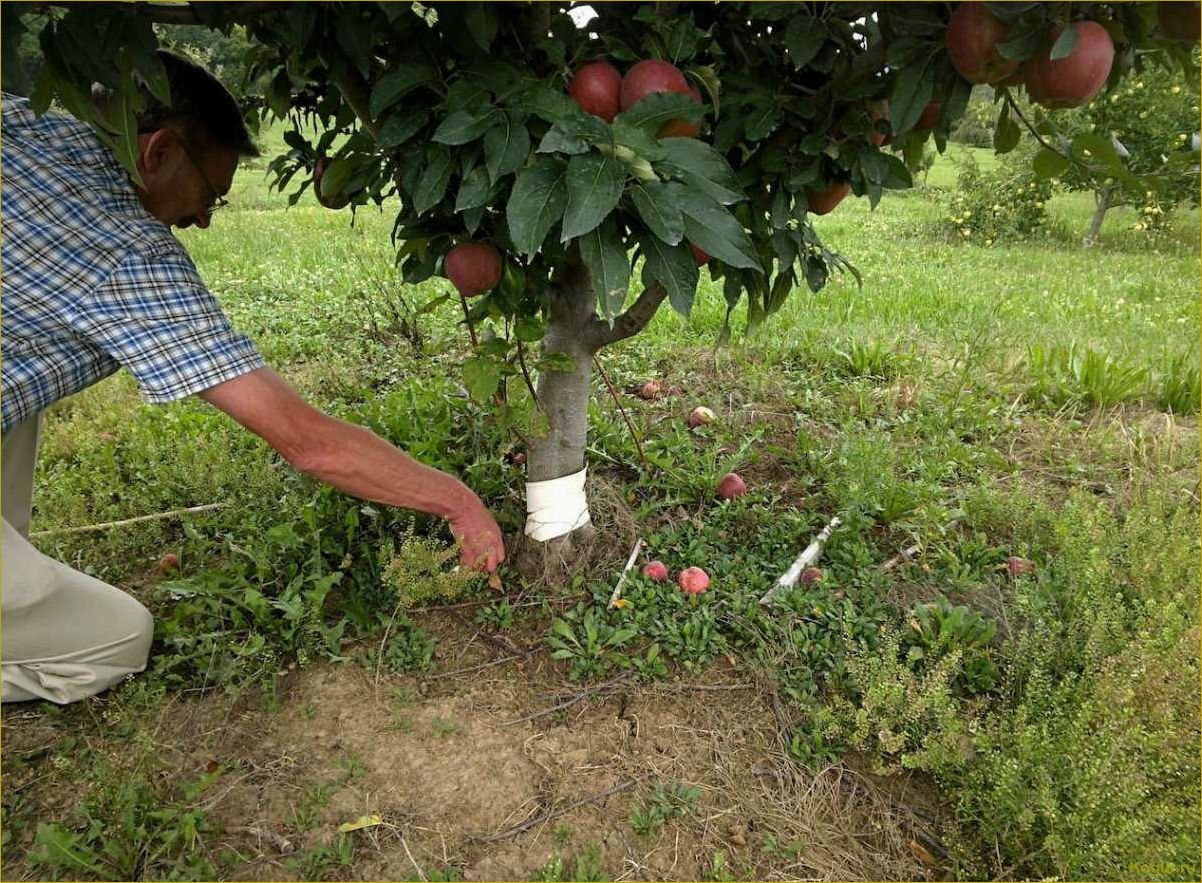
(469,771)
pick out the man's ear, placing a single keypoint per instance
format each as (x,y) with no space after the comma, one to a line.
(154,149)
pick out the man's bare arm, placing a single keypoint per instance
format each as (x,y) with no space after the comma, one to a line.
(356,460)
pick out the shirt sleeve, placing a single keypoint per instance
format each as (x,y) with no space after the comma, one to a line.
(154,316)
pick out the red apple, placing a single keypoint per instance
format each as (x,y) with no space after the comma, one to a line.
(1179,21)
(972,37)
(693,580)
(1075,79)
(169,563)
(930,116)
(731,486)
(700,416)
(473,267)
(595,88)
(651,76)
(656,571)
(1019,566)
(823,202)
(329,200)
(651,390)
(683,128)
(811,576)
(699,256)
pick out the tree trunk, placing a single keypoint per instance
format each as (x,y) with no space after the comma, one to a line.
(1102,201)
(564,395)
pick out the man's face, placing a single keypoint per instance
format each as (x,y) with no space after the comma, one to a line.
(183,185)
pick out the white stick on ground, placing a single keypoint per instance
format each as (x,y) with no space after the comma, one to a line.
(789,578)
(904,555)
(613,599)
(158,516)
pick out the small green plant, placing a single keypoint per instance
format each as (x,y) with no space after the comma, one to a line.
(1180,385)
(939,627)
(583,636)
(306,814)
(444,728)
(719,871)
(421,569)
(324,860)
(661,804)
(1075,373)
(409,648)
(497,616)
(351,769)
(860,359)
(587,867)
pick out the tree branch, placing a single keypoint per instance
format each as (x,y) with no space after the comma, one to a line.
(357,94)
(630,323)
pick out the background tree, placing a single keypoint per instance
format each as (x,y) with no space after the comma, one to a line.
(749,119)
(1153,119)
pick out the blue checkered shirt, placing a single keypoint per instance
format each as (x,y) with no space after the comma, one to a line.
(91,281)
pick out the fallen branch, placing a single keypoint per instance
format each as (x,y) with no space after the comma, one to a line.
(105,525)
(789,578)
(634,554)
(554,814)
(901,557)
(595,690)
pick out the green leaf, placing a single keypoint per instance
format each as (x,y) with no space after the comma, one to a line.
(699,165)
(355,35)
(761,122)
(473,190)
(673,267)
(394,85)
(1006,134)
(337,173)
(609,266)
(536,203)
(506,146)
(482,376)
(632,137)
(659,211)
(709,79)
(435,177)
(1065,43)
(1049,163)
(529,329)
(659,108)
(400,126)
(594,188)
(465,126)
(911,91)
(61,848)
(481,23)
(558,141)
(712,228)
(804,37)
(547,101)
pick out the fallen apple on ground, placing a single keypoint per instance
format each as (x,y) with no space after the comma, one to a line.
(731,486)
(169,563)
(693,580)
(700,417)
(810,576)
(1019,566)
(651,390)
(656,571)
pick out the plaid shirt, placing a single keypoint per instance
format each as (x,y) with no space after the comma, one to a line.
(91,281)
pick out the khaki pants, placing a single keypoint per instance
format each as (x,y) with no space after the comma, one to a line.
(64,635)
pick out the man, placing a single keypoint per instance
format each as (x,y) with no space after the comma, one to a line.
(93,280)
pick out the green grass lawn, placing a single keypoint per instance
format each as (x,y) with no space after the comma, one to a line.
(1033,400)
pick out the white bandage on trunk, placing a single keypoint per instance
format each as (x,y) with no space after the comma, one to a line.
(556,507)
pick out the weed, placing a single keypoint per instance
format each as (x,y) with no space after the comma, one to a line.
(661,804)
(444,728)
(498,616)
(583,636)
(587,867)
(408,648)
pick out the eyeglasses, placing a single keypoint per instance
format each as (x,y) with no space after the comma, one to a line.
(218,201)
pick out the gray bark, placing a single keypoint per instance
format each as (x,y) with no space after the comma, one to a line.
(564,395)
(1102,203)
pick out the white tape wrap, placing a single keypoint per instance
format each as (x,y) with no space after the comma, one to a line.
(556,507)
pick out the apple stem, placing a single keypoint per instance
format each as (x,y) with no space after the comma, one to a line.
(634,554)
(638,442)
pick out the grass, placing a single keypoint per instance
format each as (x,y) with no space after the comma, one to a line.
(1032,400)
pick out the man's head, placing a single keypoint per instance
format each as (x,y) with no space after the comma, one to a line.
(188,152)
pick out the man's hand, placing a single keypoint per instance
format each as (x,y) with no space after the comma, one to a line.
(481,547)
(357,461)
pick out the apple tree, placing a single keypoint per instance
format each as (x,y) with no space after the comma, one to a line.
(573,167)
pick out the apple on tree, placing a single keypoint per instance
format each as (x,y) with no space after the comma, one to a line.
(473,268)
